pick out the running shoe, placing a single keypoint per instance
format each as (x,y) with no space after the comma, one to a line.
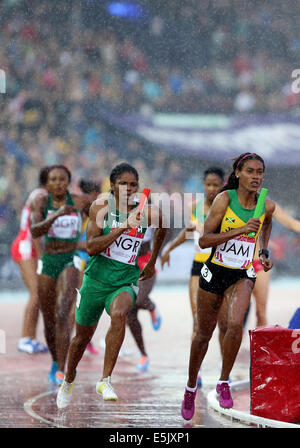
(91,349)
(31,346)
(39,347)
(52,373)
(224,395)
(59,377)
(156,319)
(104,388)
(143,364)
(188,404)
(64,394)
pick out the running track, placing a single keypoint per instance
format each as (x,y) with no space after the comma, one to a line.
(149,400)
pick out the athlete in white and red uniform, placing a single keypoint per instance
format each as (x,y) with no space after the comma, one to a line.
(25,253)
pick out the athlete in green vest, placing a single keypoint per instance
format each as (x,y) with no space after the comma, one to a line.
(57,218)
(110,280)
(229,271)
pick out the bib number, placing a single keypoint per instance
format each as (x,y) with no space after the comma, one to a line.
(206,274)
(236,253)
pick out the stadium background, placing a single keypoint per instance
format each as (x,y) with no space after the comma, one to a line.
(171,86)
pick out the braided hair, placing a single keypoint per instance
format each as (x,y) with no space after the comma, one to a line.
(232,181)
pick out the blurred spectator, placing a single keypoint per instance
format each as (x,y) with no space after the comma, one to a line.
(65,62)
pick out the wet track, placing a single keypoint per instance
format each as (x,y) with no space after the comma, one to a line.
(146,400)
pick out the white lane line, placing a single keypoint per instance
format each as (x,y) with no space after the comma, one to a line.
(244,416)
(28,409)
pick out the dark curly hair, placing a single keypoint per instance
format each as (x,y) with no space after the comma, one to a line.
(43,176)
(87,186)
(120,169)
(214,170)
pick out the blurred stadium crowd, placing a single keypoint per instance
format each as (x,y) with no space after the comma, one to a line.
(66,59)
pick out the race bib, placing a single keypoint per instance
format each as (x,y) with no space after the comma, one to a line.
(125,248)
(65,227)
(236,253)
(206,274)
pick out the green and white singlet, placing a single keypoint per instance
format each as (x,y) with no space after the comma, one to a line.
(110,272)
(65,228)
(117,265)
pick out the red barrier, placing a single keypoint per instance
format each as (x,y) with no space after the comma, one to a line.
(275,373)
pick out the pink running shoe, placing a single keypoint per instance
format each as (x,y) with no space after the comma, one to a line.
(224,396)
(188,404)
(90,348)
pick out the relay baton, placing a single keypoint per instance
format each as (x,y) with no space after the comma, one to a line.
(140,207)
(259,206)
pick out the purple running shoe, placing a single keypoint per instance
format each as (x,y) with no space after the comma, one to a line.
(224,396)
(188,404)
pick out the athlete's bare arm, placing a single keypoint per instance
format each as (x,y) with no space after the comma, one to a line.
(265,233)
(154,215)
(40,226)
(96,242)
(286,220)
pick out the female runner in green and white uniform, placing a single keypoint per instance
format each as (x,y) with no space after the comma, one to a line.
(57,217)
(110,281)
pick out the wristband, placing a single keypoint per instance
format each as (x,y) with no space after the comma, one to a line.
(263,252)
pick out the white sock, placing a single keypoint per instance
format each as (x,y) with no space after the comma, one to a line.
(221,382)
(191,389)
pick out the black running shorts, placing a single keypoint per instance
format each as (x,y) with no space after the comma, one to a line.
(216,279)
(196,268)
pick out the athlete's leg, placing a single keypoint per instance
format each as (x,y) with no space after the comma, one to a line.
(145,303)
(47,302)
(66,297)
(260,293)
(193,291)
(136,329)
(143,300)
(77,347)
(28,271)
(208,306)
(222,321)
(239,299)
(118,310)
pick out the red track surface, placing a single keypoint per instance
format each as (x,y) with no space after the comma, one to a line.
(149,400)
